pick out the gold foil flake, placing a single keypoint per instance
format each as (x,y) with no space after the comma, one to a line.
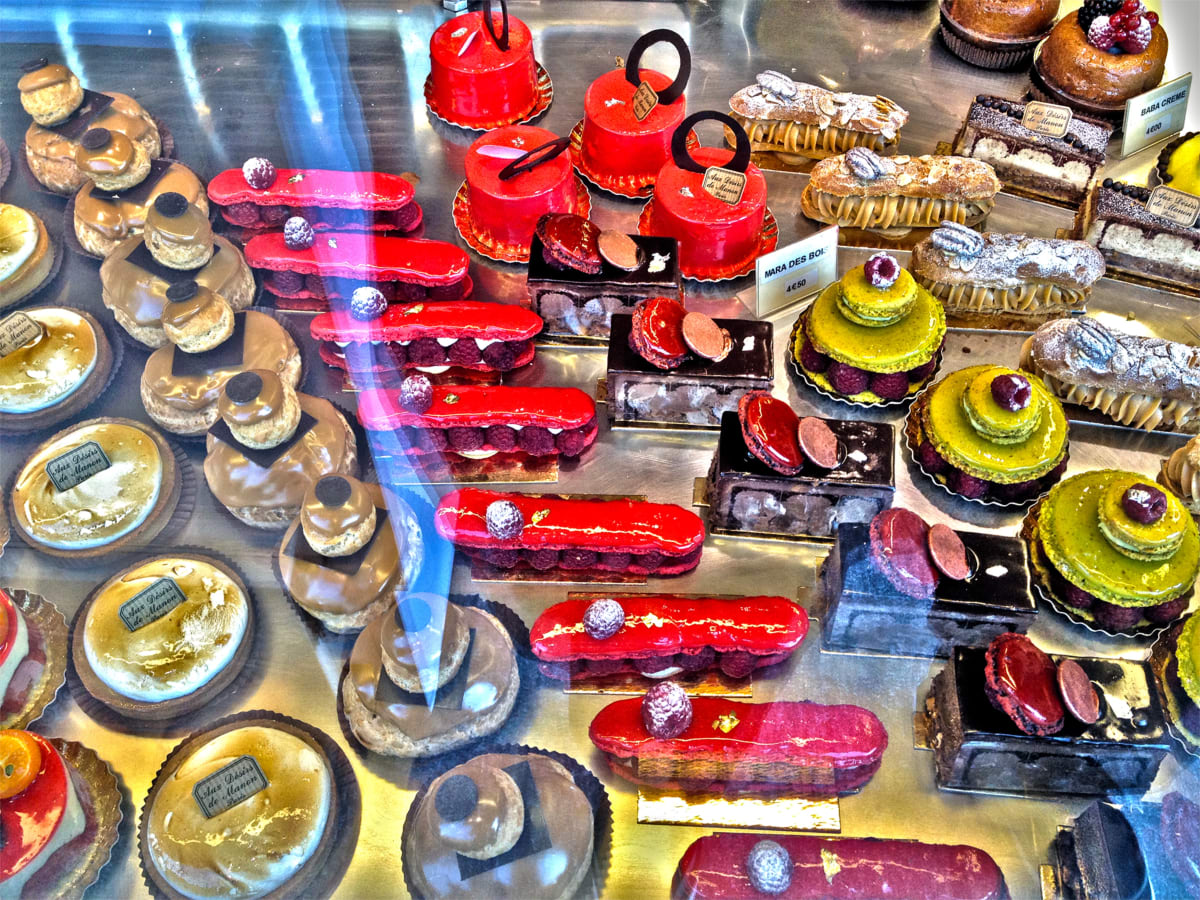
(333,243)
(451,398)
(653,621)
(539,515)
(413,310)
(725,722)
(299,176)
(830,864)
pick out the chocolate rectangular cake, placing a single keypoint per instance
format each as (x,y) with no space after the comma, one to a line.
(864,611)
(978,748)
(1114,220)
(697,393)
(578,305)
(746,496)
(1053,167)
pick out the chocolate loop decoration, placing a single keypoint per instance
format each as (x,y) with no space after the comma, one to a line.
(674,90)
(552,149)
(679,148)
(501,40)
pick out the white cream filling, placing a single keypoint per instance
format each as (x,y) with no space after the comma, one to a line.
(78,505)
(69,827)
(1033,161)
(664,673)
(15,653)
(1168,249)
(477,454)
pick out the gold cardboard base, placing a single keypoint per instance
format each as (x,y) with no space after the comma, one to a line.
(775,814)
(503,468)
(557,339)
(921,728)
(1048,881)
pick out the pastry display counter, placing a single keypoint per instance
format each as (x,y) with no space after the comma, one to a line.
(342,87)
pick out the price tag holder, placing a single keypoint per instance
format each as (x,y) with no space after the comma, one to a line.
(1178,206)
(726,185)
(1049,119)
(151,604)
(644,101)
(796,271)
(229,785)
(16,331)
(1155,115)
(77,465)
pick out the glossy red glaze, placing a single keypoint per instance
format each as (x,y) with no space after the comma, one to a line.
(332,355)
(714,868)
(31,818)
(485,84)
(636,526)
(797,732)
(658,331)
(1023,675)
(10,631)
(662,625)
(772,428)
(409,321)
(316,187)
(507,210)
(711,233)
(900,548)
(615,143)
(368,257)
(479,405)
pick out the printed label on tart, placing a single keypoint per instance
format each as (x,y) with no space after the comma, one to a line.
(151,604)
(77,465)
(644,101)
(229,785)
(1049,119)
(1177,206)
(16,331)
(726,185)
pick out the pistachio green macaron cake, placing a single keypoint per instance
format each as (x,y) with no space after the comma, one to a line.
(872,338)
(991,434)
(1115,550)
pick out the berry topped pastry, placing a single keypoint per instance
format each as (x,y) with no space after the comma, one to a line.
(720,231)
(875,337)
(482,73)
(1110,549)
(627,128)
(990,433)
(1101,55)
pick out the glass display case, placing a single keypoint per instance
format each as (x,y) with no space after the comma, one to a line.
(342,554)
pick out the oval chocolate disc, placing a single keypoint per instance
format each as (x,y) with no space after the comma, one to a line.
(704,336)
(1078,692)
(948,553)
(620,250)
(818,442)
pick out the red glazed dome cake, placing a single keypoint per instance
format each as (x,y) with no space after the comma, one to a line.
(716,239)
(618,151)
(481,77)
(506,195)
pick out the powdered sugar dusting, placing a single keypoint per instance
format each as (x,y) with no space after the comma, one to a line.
(775,96)
(1011,260)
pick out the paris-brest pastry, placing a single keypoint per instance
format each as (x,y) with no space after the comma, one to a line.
(466,661)
(124,184)
(177,245)
(209,345)
(269,445)
(348,552)
(62,111)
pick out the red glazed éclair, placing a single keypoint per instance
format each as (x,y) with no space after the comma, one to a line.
(777,747)
(482,86)
(402,269)
(329,200)
(562,533)
(477,421)
(663,635)
(425,335)
(715,867)
(504,211)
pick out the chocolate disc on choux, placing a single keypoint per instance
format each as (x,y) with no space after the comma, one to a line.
(49,93)
(112,161)
(195,319)
(177,234)
(409,638)
(338,515)
(480,811)
(259,408)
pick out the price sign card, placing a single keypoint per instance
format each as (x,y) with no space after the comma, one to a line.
(1155,115)
(796,271)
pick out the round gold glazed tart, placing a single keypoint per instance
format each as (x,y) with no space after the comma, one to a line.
(124,505)
(164,636)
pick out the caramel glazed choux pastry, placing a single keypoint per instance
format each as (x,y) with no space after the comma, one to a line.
(62,111)
(182,381)
(270,445)
(125,182)
(349,551)
(468,662)
(177,244)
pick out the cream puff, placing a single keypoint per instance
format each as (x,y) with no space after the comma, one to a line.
(177,233)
